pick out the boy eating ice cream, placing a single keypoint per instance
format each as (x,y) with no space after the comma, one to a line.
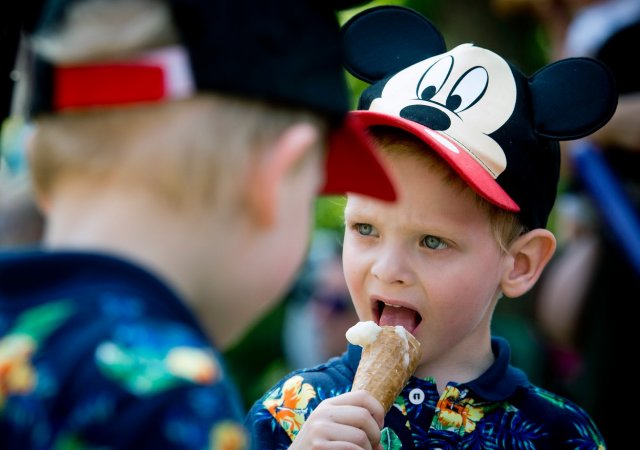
(473,146)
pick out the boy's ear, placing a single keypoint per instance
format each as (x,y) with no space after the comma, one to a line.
(273,165)
(529,255)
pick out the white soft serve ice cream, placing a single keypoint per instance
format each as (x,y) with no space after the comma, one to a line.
(365,333)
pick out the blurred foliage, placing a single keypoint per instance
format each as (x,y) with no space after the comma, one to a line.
(258,360)
(329,212)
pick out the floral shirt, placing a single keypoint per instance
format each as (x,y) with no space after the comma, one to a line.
(499,410)
(96,353)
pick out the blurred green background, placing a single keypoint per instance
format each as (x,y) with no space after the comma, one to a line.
(258,360)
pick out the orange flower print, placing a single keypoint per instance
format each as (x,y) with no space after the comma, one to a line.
(289,409)
(457,414)
(228,436)
(17,375)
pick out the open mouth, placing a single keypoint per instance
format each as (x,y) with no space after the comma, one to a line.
(391,315)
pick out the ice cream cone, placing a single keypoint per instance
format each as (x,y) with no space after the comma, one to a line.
(387,363)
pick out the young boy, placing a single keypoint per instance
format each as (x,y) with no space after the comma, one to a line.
(473,146)
(177,151)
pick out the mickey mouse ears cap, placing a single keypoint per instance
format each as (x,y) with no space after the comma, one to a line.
(286,52)
(498,129)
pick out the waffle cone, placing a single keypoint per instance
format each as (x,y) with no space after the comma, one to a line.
(387,364)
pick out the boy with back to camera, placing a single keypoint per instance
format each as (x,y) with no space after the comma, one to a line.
(178,147)
(473,147)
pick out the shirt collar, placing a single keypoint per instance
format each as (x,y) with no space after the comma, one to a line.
(497,383)
(501,379)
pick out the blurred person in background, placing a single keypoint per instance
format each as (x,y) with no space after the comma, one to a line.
(177,150)
(579,298)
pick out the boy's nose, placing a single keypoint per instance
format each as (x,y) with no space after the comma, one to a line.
(390,266)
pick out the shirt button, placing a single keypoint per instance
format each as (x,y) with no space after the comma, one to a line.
(416,396)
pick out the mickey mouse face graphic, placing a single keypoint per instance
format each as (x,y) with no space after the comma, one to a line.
(497,128)
(466,94)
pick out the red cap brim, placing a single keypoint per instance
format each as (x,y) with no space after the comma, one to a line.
(353,164)
(469,169)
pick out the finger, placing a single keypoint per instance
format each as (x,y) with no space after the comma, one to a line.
(346,436)
(356,417)
(323,435)
(364,399)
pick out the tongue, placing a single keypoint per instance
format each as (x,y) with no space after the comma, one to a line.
(399,316)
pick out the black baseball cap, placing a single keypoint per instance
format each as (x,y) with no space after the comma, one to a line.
(496,127)
(281,51)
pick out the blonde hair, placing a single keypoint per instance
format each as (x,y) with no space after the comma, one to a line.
(182,149)
(505,225)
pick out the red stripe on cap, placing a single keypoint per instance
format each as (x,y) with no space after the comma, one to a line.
(460,159)
(353,164)
(104,85)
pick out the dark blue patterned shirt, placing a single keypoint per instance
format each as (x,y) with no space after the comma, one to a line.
(499,410)
(96,353)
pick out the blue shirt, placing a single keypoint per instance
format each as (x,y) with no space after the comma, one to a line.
(96,353)
(499,410)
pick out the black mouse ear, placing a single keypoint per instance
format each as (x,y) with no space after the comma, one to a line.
(572,98)
(383,40)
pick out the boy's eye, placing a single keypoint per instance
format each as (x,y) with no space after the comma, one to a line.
(433,242)
(364,229)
